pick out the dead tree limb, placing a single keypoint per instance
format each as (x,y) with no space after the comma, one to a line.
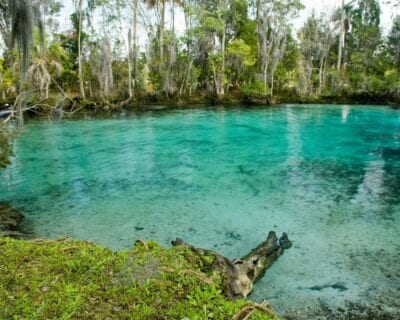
(240,275)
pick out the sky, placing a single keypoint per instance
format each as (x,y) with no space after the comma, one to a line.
(327,6)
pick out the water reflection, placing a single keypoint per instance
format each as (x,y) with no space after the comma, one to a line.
(345,113)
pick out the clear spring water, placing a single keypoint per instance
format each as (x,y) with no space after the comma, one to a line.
(221,179)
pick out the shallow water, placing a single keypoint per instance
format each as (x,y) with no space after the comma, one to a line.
(221,179)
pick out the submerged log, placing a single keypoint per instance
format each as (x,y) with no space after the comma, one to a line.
(240,275)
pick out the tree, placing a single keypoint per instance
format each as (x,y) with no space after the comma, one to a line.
(161,5)
(241,58)
(101,62)
(42,59)
(216,23)
(79,14)
(272,28)
(39,72)
(316,40)
(363,40)
(342,36)
(393,42)
(133,49)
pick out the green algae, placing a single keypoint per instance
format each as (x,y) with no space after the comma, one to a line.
(69,279)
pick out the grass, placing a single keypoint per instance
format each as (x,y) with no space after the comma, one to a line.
(69,279)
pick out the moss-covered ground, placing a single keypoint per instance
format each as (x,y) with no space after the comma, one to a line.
(68,279)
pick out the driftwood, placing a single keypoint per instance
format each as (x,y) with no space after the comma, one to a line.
(241,275)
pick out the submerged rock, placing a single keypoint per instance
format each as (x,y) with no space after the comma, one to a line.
(233,235)
(337,286)
(10,221)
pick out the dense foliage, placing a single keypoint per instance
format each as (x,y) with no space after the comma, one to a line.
(77,280)
(235,48)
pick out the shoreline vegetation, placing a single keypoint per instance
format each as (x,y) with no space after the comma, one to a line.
(36,105)
(71,279)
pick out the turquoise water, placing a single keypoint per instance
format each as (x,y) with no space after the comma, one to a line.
(221,179)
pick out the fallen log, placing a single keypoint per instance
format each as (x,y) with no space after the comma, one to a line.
(240,275)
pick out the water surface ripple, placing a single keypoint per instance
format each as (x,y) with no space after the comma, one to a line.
(221,179)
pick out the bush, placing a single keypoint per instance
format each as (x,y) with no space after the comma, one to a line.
(256,90)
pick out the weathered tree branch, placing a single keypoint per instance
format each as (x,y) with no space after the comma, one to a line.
(241,275)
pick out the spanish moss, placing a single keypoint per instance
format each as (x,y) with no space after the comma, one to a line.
(21,14)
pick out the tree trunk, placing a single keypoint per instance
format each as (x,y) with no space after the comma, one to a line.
(341,39)
(130,88)
(272,82)
(80,70)
(169,85)
(265,77)
(186,79)
(321,70)
(47,90)
(135,47)
(162,26)
(222,77)
(241,275)
(259,30)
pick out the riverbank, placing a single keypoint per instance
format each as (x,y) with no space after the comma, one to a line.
(60,279)
(67,279)
(75,103)
(233,100)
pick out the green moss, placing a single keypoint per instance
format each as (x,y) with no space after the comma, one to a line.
(68,279)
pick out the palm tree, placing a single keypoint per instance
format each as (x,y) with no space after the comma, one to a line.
(162,5)
(43,64)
